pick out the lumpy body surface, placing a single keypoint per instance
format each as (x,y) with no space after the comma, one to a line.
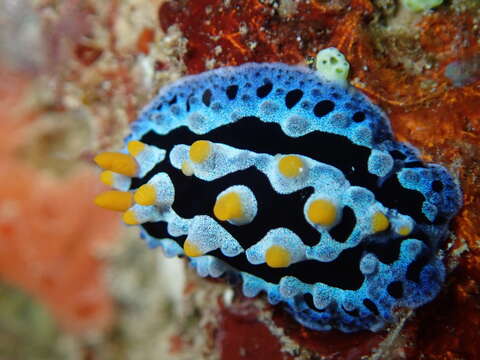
(294,184)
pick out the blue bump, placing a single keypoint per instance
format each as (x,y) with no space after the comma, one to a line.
(251,285)
(322,297)
(368,264)
(380,163)
(290,286)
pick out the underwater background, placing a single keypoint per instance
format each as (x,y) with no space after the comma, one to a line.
(77,284)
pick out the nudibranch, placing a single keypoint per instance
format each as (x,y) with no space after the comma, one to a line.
(292,182)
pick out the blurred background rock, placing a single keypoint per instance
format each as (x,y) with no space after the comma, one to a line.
(74,284)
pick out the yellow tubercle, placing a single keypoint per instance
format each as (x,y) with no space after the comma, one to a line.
(322,212)
(114,200)
(228,207)
(107,177)
(146,195)
(404,230)
(379,222)
(117,162)
(191,249)
(135,147)
(291,166)
(277,257)
(187,168)
(200,150)
(130,218)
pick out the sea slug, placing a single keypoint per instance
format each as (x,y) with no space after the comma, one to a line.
(293,182)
